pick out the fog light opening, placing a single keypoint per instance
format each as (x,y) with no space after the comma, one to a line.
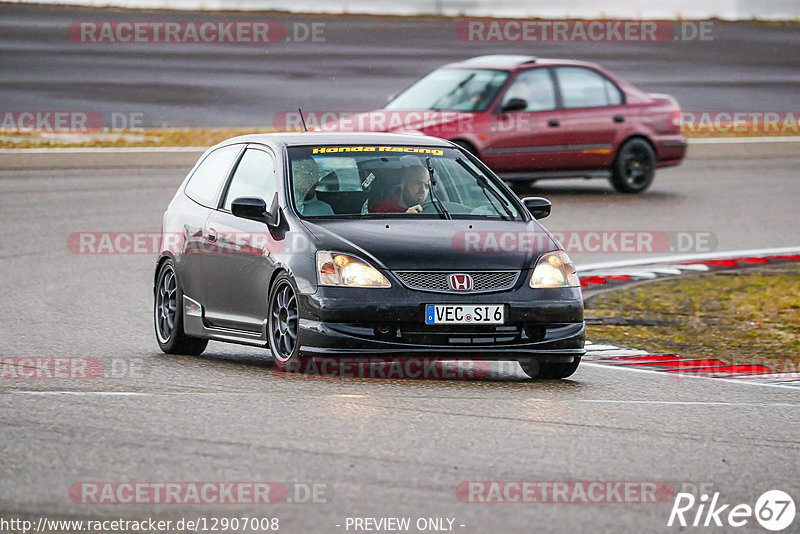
(534,332)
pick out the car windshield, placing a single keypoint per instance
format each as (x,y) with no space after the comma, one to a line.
(338,181)
(452,90)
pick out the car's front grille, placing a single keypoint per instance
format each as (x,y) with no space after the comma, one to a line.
(460,335)
(482,281)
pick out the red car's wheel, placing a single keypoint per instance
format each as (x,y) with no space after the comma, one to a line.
(634,168)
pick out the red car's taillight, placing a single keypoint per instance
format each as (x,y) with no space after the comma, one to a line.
(675,120)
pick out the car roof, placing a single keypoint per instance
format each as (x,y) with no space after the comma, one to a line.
(332,138)
(512,62)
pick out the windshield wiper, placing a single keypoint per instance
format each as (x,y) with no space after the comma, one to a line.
(482,184)
(434,198)
(460,85)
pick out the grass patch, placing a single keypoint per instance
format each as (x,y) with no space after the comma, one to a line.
(750,316)
(161,137)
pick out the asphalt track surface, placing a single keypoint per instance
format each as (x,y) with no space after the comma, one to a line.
(383,447)
(362,60)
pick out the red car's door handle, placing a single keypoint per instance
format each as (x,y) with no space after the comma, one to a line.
(553,123)
(211,235)
(619,118)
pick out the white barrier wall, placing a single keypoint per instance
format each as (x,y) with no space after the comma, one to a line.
(625,9)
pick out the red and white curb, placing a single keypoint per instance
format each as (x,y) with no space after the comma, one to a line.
(676,365)
(610,275)
(606,275)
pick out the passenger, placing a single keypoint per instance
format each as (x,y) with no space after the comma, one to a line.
(306,177)
(415,186)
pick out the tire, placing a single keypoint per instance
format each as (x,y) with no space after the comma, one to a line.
(283,330)
(634,167)
(168,315)
(535,369)
(530,366)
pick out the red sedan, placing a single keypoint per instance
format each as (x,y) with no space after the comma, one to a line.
(530,118)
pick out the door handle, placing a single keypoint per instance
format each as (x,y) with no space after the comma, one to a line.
(211,235)
(553,123)
(619,118)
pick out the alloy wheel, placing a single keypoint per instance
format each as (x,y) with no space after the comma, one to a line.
(166,305)
(283,323)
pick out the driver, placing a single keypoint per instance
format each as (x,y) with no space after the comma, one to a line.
(414,188)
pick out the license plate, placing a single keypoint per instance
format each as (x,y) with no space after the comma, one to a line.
(464,314)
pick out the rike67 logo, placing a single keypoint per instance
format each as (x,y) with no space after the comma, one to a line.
(774,510)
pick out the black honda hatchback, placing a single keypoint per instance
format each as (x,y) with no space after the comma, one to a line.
(363,245)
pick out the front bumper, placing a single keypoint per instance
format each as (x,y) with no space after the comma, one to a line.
(542,323)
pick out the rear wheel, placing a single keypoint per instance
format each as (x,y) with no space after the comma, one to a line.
(634,168)
(283,323)
(168,315)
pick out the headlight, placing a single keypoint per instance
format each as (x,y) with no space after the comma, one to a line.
(336,269)
(555,269)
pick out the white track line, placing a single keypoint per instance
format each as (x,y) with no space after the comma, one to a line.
(688,258)
(111,150)
(734,140)
(749,382)
(688,403)
(99,150)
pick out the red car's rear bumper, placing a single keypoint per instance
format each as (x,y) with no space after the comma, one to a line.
(671,149)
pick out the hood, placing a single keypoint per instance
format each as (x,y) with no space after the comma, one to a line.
(435,244)
(388,120)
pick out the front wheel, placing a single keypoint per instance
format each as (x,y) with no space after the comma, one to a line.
(284,322)
(634,167)
(549,370)
(168,315)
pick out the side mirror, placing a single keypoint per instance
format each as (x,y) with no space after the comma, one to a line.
(538,206)
(515,104)
(255,209)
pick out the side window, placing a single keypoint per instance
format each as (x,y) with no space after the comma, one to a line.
(584,88)
(254,177)
(535,87)
(207,178)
